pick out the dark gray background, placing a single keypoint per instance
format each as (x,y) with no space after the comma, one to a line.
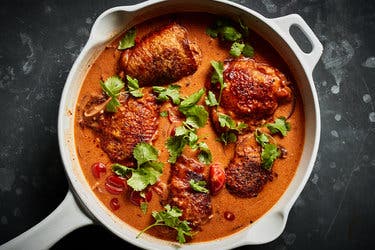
(39,41)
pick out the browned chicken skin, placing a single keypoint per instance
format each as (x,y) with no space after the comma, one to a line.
(253,89)
(162,57)
(253,92)
(196,206)
(245,176)
(136,120)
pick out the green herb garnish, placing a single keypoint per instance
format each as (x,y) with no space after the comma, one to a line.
(269,152)
(224,30)
(227,32)
(164,113)
(199,186)
(112,87)
(190,101)
(128,40)
(248,50)
(133,87)
(170,218)
(236,49)
(211,99)
(227,137)
(279,126)
(148,171)
(217,76)
(171,92)
(239,48)
(196,117)
(227,121)
(204,155)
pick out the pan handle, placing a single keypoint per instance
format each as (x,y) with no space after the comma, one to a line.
(67,217)
(285,23)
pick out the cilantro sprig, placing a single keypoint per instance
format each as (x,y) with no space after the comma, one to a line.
(112,87)
(226,31)
(128,40)
(171,92)
(217,76)
(148,170)
(211,100)
(227,122)
(186,134)
(170,218)
(133,87)
(270,151)
(239,48)
(279,126)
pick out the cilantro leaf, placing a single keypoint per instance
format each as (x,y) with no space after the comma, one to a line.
(230,33)
(146,175)
(164,113)
(217,76)
(279,126)
(198,186)
(128,40)
(148,171)
(236,49)
(112,105)
(261,138)
(191,100)
(144,152)
(121,170)
(211,99)
(269,154)
(248,50)
(227,121)
(212,32)
(112,87)
(196,116)
(204,155)
(227,137)
(133,87)
(175,145)
(170,217)
(171,92)
(218,73)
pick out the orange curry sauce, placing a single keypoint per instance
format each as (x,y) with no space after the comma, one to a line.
(245,210)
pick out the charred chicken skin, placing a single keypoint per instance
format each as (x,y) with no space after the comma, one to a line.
(196,206)
(136,120)
(162,57)
(245,176)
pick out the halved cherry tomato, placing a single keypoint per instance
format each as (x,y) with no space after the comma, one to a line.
(114,184)
(114,203)
(137,199)
(98,168)
(217,179)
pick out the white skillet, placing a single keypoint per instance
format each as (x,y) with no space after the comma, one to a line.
(81,207)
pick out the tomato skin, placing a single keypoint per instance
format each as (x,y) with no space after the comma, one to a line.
(98,168)
(115,204)
(115,185)
(137,199)
(216,178)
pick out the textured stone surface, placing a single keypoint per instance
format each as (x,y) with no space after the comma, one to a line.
(39,41)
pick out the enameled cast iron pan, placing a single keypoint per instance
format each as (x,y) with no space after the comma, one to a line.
(81,207)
